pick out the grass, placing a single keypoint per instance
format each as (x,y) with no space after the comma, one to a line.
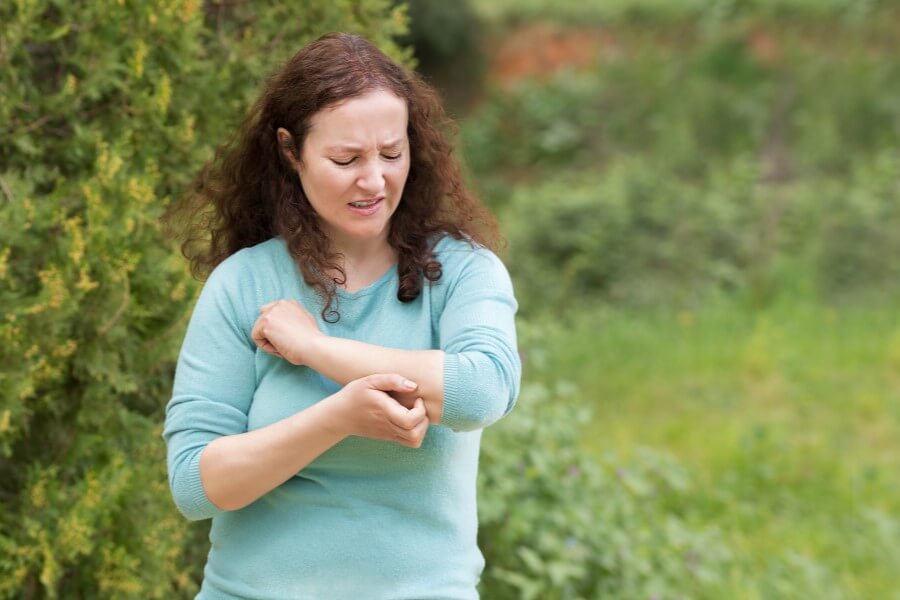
(787,418)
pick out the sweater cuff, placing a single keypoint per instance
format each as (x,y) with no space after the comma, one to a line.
(198,503)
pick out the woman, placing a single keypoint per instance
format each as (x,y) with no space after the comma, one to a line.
(354,337)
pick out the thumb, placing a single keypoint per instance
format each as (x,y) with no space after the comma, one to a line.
(390,382)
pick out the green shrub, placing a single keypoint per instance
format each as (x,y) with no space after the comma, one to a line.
(637,235)
(556,524)
(634,235)
(108,109)
(692,105)
(860,235)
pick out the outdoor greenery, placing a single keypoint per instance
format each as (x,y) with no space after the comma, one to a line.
(107,110)
(702,222)
(702,219)
(558,523)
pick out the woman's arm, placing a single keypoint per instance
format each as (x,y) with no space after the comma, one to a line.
(470,382)
(236,470)
(213,462)
(343,360)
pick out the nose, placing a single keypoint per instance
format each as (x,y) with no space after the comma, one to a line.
(371,179)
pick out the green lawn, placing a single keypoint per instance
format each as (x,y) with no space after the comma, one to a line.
(788,420)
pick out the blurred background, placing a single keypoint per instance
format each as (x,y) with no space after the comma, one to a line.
(702,206)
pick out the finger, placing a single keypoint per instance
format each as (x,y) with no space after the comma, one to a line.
(257,334)
(413,438)
(395,413)
(416,415)
(398,416)
(262,342)
(268,347)
(420,431)
(406,399)
(390,382)
(259,338)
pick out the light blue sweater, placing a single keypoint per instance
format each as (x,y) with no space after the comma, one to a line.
(367,519)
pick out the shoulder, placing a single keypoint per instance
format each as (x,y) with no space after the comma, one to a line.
(234,284)
(456,254)
(242,267)
(465,263)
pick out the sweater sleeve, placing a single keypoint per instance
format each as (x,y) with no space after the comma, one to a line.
(214,384)
(482,369)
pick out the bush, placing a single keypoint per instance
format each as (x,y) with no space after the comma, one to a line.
(632,236)
(555,524)
(752,88)
(637,235)
(109,109)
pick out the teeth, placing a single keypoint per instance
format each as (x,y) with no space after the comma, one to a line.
(363,204)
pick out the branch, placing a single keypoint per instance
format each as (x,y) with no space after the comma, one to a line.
(7,192)
(104,329)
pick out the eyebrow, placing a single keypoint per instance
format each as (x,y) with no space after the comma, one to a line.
(353,148)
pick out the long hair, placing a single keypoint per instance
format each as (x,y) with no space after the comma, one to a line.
(249,192)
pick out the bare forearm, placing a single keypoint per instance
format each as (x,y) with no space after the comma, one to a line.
(238,469)
(343,360)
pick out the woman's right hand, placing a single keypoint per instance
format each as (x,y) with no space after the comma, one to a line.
(364,408)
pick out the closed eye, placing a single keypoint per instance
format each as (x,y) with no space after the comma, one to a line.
(392,156)
(343,163)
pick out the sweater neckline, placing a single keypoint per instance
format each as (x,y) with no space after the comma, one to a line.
(342,293)
(372,287)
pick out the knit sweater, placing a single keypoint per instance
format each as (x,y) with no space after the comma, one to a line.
(367,518)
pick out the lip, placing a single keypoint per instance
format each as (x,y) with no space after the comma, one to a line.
(372,199)
(368,210)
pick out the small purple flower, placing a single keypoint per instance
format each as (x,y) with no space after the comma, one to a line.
(571,541)
(574,471)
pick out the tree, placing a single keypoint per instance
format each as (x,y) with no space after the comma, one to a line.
(107,111)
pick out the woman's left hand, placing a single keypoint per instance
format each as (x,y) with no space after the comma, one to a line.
(287,330)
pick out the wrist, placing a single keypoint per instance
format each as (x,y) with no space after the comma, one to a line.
(311,349)
(335,421)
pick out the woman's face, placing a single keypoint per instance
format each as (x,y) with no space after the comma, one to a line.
(353,166)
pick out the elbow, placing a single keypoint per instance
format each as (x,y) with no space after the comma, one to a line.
(189,510)
(187,488)
(480,388)
(480,416)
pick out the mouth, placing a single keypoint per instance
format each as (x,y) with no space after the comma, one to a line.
(366,203)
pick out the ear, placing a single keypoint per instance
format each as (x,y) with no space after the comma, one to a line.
(286,146)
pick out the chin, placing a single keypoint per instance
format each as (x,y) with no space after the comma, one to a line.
(367,233)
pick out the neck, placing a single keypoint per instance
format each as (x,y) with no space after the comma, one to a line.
(357,252)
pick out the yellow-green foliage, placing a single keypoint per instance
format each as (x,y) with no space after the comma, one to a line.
(107,109)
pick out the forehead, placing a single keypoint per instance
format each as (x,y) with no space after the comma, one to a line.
(376,117)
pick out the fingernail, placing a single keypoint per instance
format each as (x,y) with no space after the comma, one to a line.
(410,384)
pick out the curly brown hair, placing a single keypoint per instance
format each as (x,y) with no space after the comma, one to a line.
(249,192)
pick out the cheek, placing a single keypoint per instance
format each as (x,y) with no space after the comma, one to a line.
(326,182)
(399,174)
